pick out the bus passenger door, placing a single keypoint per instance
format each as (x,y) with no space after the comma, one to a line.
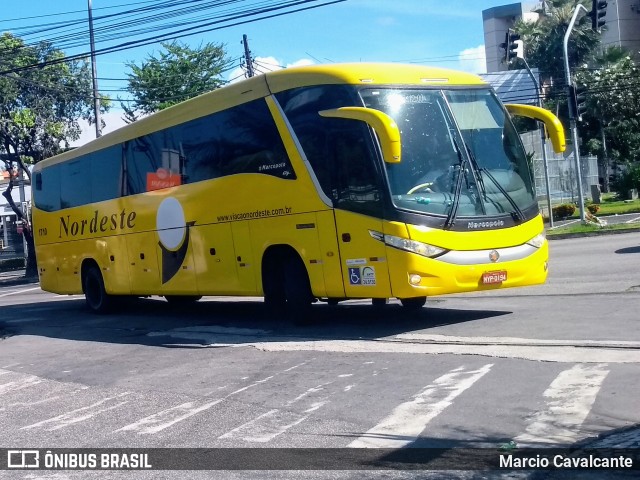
(245,265)
(357,198)
(364,265)
(330,254)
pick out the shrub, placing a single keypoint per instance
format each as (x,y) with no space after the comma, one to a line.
(626,181)
(563,211)
(593,208)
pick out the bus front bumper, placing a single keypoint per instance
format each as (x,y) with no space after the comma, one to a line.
(456,272)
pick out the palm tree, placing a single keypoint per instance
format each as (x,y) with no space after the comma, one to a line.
(543,41)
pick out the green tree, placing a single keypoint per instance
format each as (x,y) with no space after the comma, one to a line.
(41,101)
(177,74)
(613,106)
(544,39)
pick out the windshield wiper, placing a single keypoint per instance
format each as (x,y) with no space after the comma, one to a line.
(517,212)
(462,160)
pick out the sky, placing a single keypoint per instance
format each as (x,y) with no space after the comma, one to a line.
(429,32)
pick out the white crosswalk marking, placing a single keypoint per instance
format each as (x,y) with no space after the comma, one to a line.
(569,399)
(277,421)
(80,414)
(409,419)
(166,418)
(267,426)
(161,420)
(24,382)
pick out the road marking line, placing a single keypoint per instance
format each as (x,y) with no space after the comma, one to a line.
(633,220)
(407,421)
(28,404)
(164,419)
(19,384)
(266,426)
(169,418)
(569,400)
(275,422)
(79,414)
(19,291)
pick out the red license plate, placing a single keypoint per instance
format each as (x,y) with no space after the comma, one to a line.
(492,278)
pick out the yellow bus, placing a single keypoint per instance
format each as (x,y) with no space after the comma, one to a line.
(318,183)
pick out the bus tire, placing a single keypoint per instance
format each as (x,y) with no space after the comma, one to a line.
(182,300)
(96,297)
(414,303)
(297,289)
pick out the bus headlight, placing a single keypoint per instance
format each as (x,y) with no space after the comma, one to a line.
(407,245)
(538,240)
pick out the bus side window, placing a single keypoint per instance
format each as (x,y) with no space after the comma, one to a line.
(142,157)
(106,174)
(74,188)
(47,191)
(243,139)
(355,173)
(340,151)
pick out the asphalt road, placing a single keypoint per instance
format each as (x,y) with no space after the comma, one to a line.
(557,364)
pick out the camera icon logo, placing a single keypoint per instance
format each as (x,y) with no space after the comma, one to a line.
(23,459)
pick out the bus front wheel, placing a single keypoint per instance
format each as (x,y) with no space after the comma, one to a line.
(96,297)
(414,303)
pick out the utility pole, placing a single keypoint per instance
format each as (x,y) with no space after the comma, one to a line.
(573,121)
(94,74)
(247,56)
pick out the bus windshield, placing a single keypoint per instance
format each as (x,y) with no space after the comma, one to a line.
(461,155)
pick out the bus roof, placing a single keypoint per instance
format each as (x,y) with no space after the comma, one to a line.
(368,74)
(274,82)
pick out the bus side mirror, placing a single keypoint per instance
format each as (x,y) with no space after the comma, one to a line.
(384,126)
(553,126)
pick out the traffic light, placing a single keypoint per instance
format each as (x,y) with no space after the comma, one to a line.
(598,12)
(577,101)
(513,46)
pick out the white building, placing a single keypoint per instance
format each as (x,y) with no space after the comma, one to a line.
(623,26)
(496,22)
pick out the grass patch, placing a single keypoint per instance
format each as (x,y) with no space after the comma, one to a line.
(579,228)
(610,206)
(618,207)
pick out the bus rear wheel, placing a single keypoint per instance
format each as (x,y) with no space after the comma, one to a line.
(414,303)
(96,297)
(297,290)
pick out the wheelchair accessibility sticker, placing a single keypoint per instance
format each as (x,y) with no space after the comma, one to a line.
(362,276)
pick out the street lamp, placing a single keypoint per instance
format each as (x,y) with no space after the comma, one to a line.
(574,126)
